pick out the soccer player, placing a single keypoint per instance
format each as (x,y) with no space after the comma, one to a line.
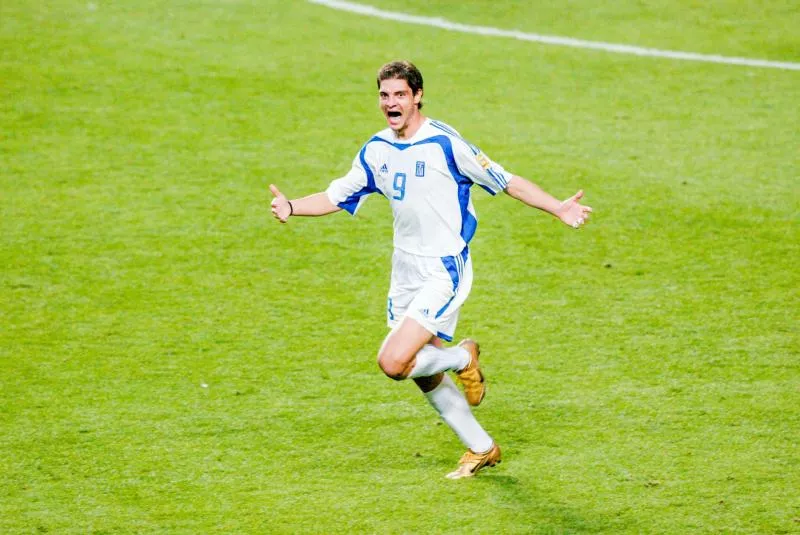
(425,169)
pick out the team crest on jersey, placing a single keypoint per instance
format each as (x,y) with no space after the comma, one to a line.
(384,168)
(483,160)
(420,168)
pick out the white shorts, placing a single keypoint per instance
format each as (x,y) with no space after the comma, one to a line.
(430,290)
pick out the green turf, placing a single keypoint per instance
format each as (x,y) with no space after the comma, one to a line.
(173,361)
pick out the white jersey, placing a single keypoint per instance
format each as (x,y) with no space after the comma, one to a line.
(427,181)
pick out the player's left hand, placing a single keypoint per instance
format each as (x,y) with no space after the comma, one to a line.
(573,213)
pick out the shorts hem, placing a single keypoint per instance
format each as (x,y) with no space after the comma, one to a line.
(429,325)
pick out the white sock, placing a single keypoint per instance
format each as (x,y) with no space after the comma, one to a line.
(431,360)
(451,405)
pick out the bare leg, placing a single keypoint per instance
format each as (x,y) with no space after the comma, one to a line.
(399,350)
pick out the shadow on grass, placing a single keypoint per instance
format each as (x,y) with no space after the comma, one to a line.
(531,510)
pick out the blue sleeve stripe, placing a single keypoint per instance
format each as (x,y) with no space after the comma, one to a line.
(494,178)
(367,170)
(501,177)
(351,203)
(498,178)
(444,128)
(489,190)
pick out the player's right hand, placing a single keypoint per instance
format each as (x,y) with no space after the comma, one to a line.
(280,205)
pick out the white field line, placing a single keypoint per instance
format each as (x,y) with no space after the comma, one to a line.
(444,24)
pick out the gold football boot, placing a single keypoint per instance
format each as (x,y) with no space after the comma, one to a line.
(471,377)
(472,462)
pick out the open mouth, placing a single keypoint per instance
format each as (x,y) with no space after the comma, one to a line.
(394,114)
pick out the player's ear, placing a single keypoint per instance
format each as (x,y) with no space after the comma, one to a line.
(418,97)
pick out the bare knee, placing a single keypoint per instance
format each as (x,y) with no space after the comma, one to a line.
(393,365)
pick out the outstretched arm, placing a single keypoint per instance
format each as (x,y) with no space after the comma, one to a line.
(313,205)
(570,211)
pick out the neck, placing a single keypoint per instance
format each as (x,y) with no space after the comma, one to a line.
(411,127)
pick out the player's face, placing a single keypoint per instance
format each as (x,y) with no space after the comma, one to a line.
(398,104)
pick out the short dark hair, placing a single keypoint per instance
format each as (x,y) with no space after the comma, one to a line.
(402,70)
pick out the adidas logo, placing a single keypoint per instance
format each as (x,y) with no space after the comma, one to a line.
(384,169)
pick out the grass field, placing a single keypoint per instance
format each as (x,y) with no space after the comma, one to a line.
(173,361)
